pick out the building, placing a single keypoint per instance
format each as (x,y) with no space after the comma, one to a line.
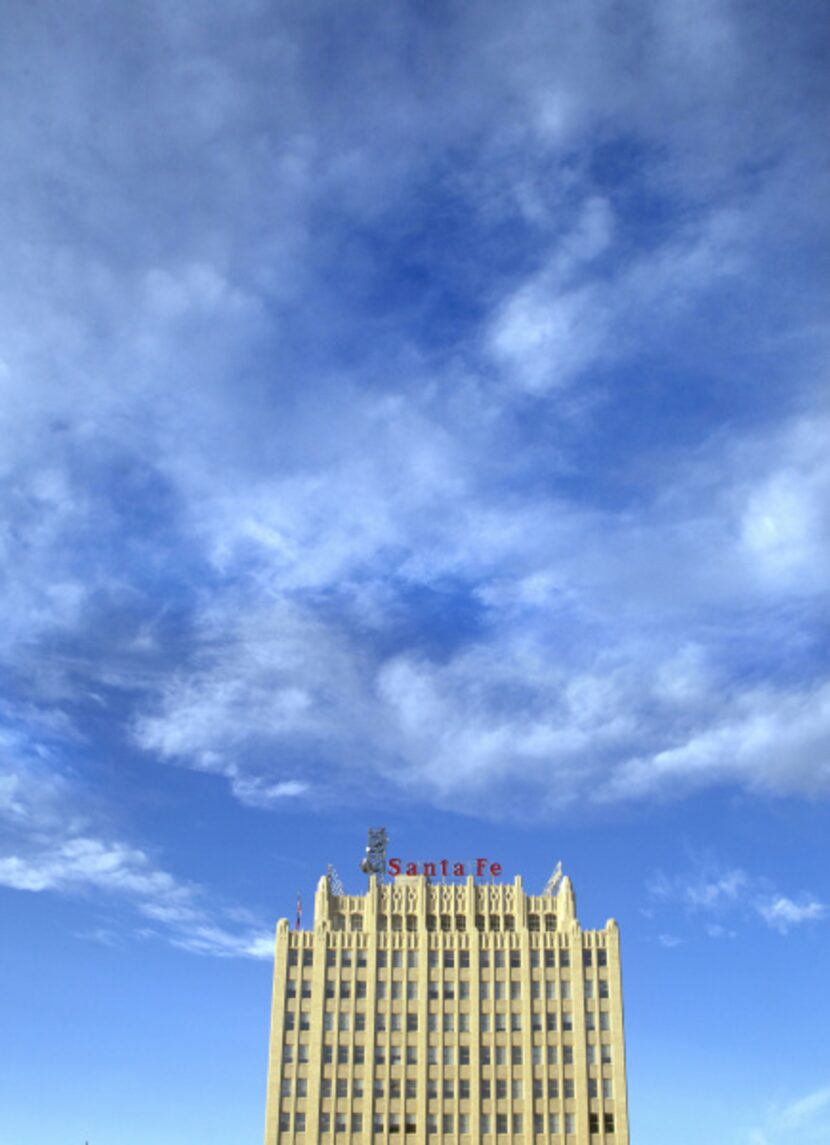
(455,1013)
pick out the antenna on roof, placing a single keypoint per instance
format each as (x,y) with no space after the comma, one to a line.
(374,861)
(553,881)
(335,882)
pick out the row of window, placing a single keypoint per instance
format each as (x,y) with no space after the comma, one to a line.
(447,958)
(397,1023)
(395,1055)
(449,990)
(409,1089)
(503,1123)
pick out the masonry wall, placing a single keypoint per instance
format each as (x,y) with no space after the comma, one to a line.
(461,1013)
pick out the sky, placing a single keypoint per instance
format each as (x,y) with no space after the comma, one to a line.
(411,413)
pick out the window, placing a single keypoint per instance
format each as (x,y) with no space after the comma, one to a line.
(498,958)
(593,1087)
(285,1088)
(567,1055)
(587,958)
(346,958)
(567,1021)
(360,989)
(394,1123)
(448,1055)
(433,958)
(609,1122)
(289,1021)
(516,1022)
(603,987)
(509,922)
(538,1124)
(397,959)
(605,1054)
(570,1123)
(464,957)
(501,1090)
(464,1053)
(357,1123)
(460,922)
(411,1055)
(432,1055)
(380,1022)
(537,1055)
(463,990)
(432,1123)
(378,1089)
(431,922)
(515,990)
(485,1024)
(485,1089)
(394,1022)
(344,1022)
(377,1123)
(551,1055)
(501,1123)
(448,1091)
(432,1023)
(361,959)
(517,1124)
(342,1055)
(328,1053)
(463,1124)
(553,1123)
(325,1123)
(302,1054)
(299,1123)
(501,1055)
(342,1087)
(449,990)
(411,1089)
(394,1055)
(411,922)
(394,1089)
(447,1123)
(464,1089)
(593,1123)
(589,988)
(535,959)
(551,1019)
(338,922)
(480,925)
(412,991)
(485,1055)
(359,1054)
(409,1124)
(591,1055)
(501,1023)
(357,1087)
(550,959)
(604,1020)
(516,1055)
(395,988)
(340,1123)
(292,957)
(446,923)
(381,990)
(553,1089)
(607,1088)
(412,959)
(550,922)
(380,1055)
(302,1087)
(485,991)
(516,1089)
(449,957)
(485,1123)
(381,956)
(464,1023)
(411,1023)
(308,958)
(533,925)
(284,1123)
(564,958)
(484,957)
(397,923)
(602,958)
(432,1089)
(568,1087)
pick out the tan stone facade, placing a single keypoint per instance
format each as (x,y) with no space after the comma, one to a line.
(460,1013)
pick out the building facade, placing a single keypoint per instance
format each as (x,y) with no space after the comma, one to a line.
(446,1013)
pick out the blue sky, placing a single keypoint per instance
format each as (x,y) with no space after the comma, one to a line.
(412,413)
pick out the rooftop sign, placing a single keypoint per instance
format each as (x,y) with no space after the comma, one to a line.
(457,869)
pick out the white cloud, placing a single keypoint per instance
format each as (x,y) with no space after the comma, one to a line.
(727,894)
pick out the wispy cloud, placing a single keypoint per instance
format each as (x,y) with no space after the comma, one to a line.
(723,896)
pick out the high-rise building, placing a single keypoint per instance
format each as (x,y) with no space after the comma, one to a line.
(460,1013)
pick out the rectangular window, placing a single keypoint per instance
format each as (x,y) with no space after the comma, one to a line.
(591,1054)
(553,1123)
(609,1122)
(412,1023)
(302,1087)
(586,958)
(515,1022)
(325,1123)
(381,991)
(359,1054)
(551,1019)
(551,1055)
(501,1023)
(308,958)
(498,958)
(485,1023)
(302,1053)
(397,959)
(485,1089)
(538,1124)
(447,1123)
(285,1088)
(395,1022)
(432,1055)
(602,958)
(553,1089)
(448,1091)
(484,956)
(485,1055)
(593,1123)
(325,1087)
(501,1055)
(395,991)
(567,1021)
(564,958)
(570,1124)
(603,987)
(412,959)
(463,956)
(568,1087)
(516,1089)
(411,1055)
(357,1087)
(342,1087)
(464,1090)
(357,1123)
(381,962)
(567,1055)
(411,1089)
(463,1124)
(607,1088)
(432,1123)
(535,960)
(485,1123)
(284,1123)
(464,1054)
(501,1123)
(517,1124)
(412,991)
(515,990)
(449,1055)
(593,1087)
(292,957)
(463,990)
(299,1123)
(516,1055)
(550,959)
(605,1054)
(501,1090)
(537,1055)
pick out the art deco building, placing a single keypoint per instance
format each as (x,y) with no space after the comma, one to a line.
(446,1013)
